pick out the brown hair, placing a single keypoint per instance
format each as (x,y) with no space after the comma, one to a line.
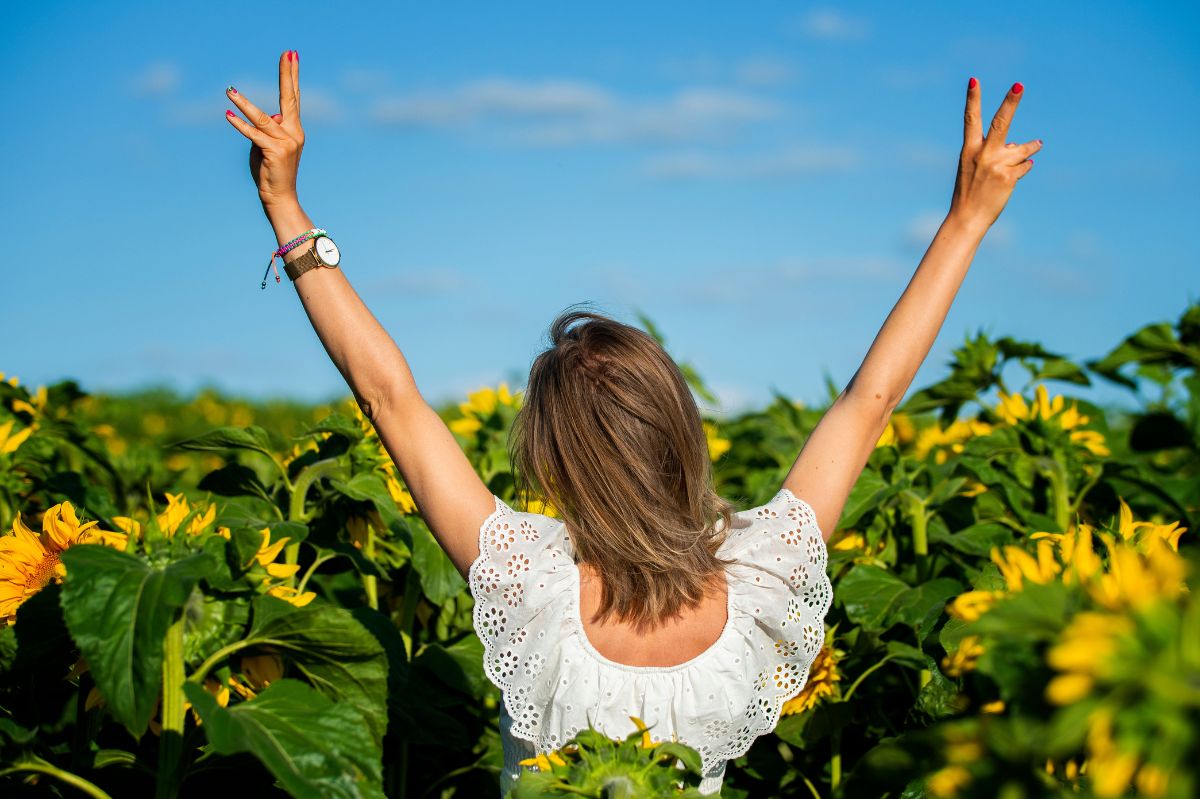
(609,433)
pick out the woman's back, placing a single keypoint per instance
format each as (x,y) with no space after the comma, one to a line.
(714,678)
(671,642)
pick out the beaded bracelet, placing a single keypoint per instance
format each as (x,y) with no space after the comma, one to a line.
(285,249)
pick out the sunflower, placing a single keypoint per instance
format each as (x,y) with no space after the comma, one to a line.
(172,517)
(268,551)
(9,441)
(823,679)
(481,405)
(29,561)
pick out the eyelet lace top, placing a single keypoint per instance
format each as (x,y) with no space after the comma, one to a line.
(554,682)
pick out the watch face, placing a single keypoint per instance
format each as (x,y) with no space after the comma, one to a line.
(327,251)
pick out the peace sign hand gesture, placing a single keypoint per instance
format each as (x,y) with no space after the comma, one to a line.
(989,168)
(276,141)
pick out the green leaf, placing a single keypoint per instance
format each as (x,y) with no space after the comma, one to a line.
(869,594)
(333,651)
(117,608)
(233,480)
(977,540)
(314,746)
(368,487)
(440,579)
(224,439)
(922,606)
(868,491)
(337,424)
(939,697)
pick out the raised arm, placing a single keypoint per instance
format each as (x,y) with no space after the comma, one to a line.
(447,491)
(834,455)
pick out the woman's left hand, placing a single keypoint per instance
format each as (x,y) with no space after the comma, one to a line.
(276,141)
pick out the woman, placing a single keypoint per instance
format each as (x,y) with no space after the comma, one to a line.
(650,596)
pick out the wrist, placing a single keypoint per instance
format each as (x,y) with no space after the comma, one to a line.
(966,223)
(289,221)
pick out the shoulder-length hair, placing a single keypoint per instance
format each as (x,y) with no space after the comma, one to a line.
(608,432)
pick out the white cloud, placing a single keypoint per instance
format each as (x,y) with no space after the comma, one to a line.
(829,23)
(925,155)
(744,286)
(922,228)
(903,77)
(1084,245)
(765,71)
(156,80)
(494,98)
(316,105)
(562,112)
(418,283)
(797,160)
(758,70)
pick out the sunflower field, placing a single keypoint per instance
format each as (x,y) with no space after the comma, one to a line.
(207,594)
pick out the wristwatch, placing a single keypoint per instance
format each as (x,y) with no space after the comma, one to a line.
(323,253)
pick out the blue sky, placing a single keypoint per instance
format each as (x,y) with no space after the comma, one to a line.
(760,179)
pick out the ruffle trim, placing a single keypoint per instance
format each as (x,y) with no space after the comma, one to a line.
(779,594)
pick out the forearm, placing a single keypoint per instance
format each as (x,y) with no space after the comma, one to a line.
(369,360)
(908,333)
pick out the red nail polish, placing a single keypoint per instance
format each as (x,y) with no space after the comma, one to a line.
(973,83)
(296,53)
(1031,160)
(289,55)
(231,90)
(228,113)
(1016,89)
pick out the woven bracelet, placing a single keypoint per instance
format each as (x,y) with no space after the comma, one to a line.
(285,249)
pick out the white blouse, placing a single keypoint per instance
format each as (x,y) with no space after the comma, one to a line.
(526,589)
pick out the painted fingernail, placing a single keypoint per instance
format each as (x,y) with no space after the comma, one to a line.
(1017,87)
(231,90)
(1039,141)
(972,83)
(229,113)
(289,55)
(1031,160)
(296,53)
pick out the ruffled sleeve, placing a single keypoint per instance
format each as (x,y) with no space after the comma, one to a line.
(780,593)
(520,577)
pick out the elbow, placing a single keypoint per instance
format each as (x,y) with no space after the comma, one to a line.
(377,403)
(881,399)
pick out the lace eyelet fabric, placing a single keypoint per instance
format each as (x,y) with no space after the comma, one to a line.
(555,683)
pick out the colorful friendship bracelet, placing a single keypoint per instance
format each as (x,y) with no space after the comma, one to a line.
(285,249)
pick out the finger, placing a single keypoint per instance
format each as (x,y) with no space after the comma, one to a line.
(249,131)
(1023,168)
(287,85)
(1000,122)
(296,82)
(1016,153)
(257,117)
(972,125)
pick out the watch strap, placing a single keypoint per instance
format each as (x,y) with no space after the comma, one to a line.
(307,260)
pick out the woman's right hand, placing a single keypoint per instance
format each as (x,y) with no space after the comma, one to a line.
(276,141)
(989,168)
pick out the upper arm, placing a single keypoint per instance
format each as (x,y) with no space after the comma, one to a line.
(448,493)
(834,456)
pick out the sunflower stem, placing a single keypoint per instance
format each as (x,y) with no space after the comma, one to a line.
(41,766)
(1056,474)
(171,740)
(370,582)
(835,763)
(311,473)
